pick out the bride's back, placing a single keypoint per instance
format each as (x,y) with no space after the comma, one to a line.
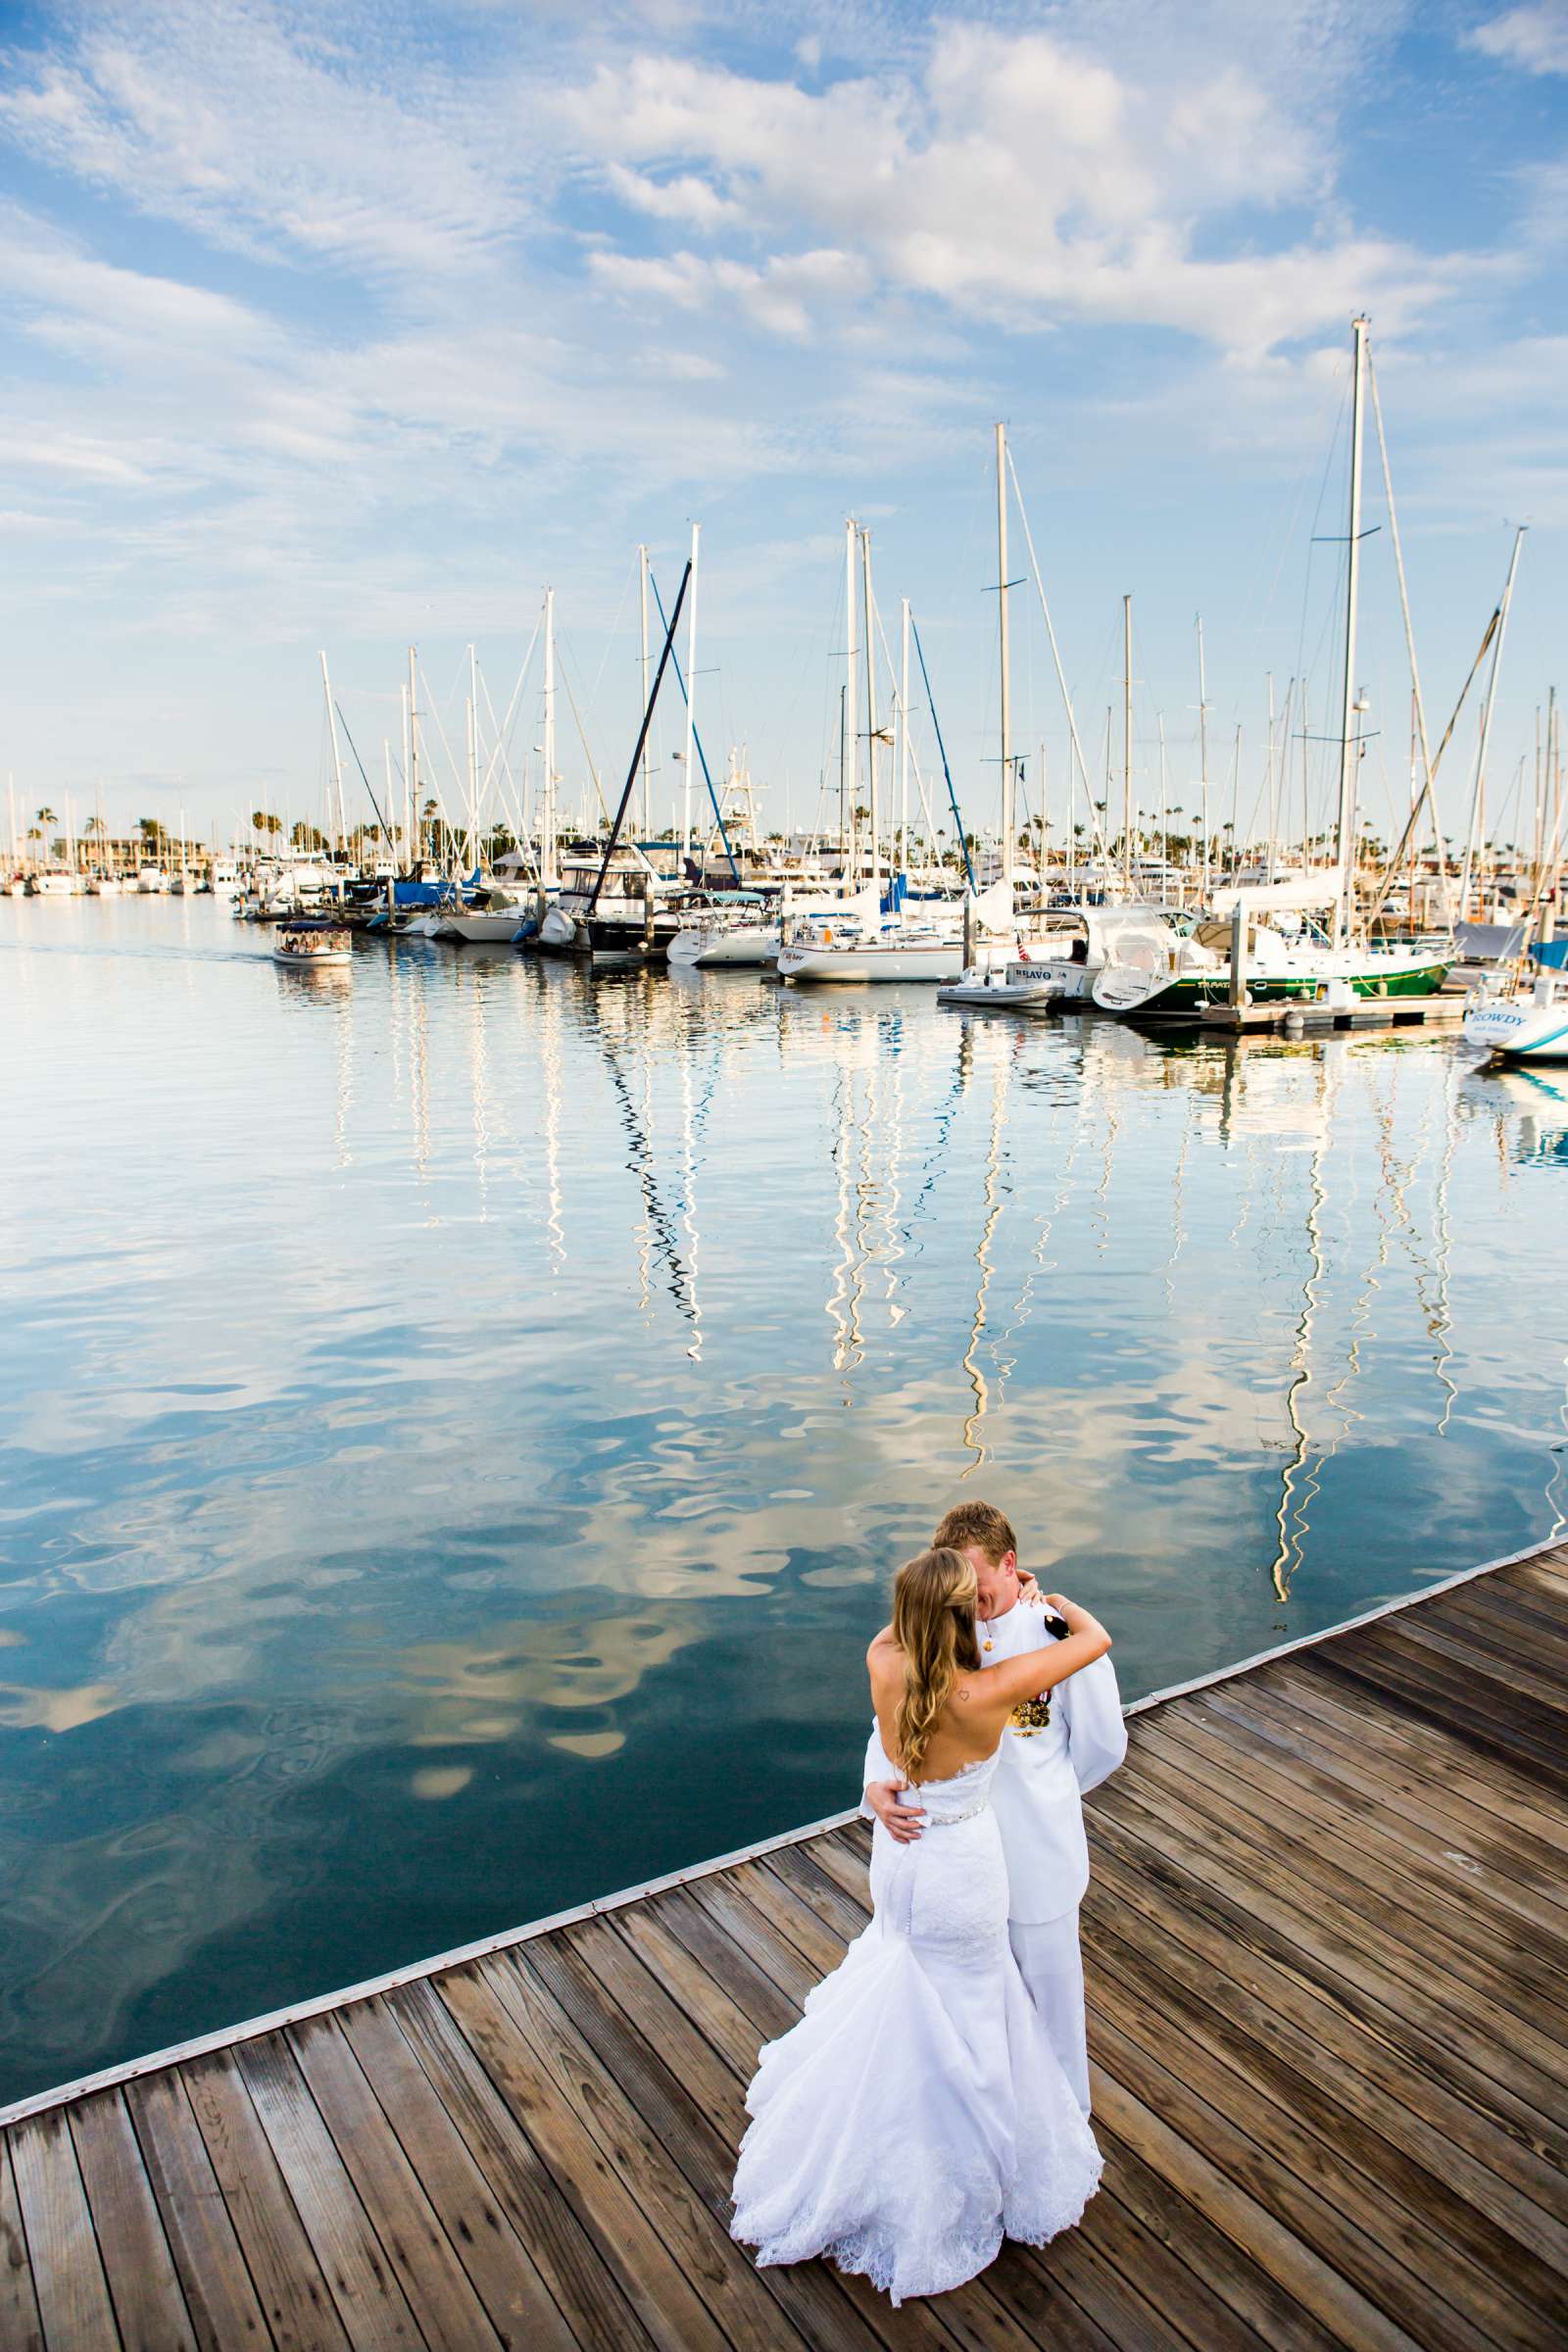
(926,1683)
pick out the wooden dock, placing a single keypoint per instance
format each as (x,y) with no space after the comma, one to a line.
(1327,1952)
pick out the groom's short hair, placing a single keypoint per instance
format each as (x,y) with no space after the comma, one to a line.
(976,1527)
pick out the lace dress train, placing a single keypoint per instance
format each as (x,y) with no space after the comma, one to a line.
(918,2114)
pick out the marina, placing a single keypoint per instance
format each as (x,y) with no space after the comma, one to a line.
(461,1360)
(1335,1870)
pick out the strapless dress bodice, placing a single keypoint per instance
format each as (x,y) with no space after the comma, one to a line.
(960,1798)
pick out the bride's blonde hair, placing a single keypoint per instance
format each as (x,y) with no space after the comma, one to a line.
(934,1599)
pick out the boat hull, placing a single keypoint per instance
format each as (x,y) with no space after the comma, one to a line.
(1005,997)
(938,961)
(490,926)
(750,946)
(1193,990)
(1520,1029)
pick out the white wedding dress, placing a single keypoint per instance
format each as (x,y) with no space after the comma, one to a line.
(917,2113)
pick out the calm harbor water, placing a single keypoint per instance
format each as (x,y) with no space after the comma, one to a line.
(457,1419)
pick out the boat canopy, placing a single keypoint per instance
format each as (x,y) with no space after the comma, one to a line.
(1489,943)
(1552,953)
(1279,898)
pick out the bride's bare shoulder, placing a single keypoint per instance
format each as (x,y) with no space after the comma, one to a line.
(884,1654)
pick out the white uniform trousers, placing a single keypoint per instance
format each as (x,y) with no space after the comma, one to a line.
(1052,1970)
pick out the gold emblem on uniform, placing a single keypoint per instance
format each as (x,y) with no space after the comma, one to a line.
(1031,1715)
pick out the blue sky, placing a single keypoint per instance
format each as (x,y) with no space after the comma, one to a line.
(348,326)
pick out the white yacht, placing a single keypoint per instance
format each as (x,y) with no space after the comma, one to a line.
(1527,1022)
(1068,947)
(58,884)
(632,915)
(495,916)
(745,928)
(1285,960)
(151,881)
(855,941)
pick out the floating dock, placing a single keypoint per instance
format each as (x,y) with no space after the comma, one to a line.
(1327,1955)
(1367,1012)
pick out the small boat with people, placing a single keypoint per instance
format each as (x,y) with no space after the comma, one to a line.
(310,943)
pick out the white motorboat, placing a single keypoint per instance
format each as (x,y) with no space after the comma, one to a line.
(854,941)
(310,946)
(54,886)
(494,917)
(842,950)
(1524,1025)
(1001,987)
(151,881)
(223,879)
(631,916)
(104,885)
(743,930)
(1068,947)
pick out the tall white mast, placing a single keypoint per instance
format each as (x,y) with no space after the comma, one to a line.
(1479,801)
(1127,742)
(691,703)
(1349,745)
(547,842)
(850,754)
(337,757)
(1164,820)
(870,708)
(472,858)
(1273,786)
(904,737)
(1202,756)
(642,585)
(409,848)
(1007,779)
(414,747)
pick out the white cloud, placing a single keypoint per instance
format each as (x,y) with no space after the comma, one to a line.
(1534,38)
(785,296)
(1017,180)
(242,121)
(686,199)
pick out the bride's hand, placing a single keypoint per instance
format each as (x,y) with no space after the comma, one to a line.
(901,1821)
(1078,1620)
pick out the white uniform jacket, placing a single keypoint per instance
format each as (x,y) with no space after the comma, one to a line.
(1037,1793)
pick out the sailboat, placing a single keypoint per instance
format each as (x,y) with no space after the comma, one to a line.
(1284,963)
(872,936)
(1526,1020)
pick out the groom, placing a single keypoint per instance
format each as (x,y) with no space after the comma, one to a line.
(1043,1775)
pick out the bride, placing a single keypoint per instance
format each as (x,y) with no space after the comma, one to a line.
(918,2114)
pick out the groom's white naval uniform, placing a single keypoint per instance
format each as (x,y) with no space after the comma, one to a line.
(1037,1796)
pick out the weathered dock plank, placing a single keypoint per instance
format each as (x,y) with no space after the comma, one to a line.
(1327,1954)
